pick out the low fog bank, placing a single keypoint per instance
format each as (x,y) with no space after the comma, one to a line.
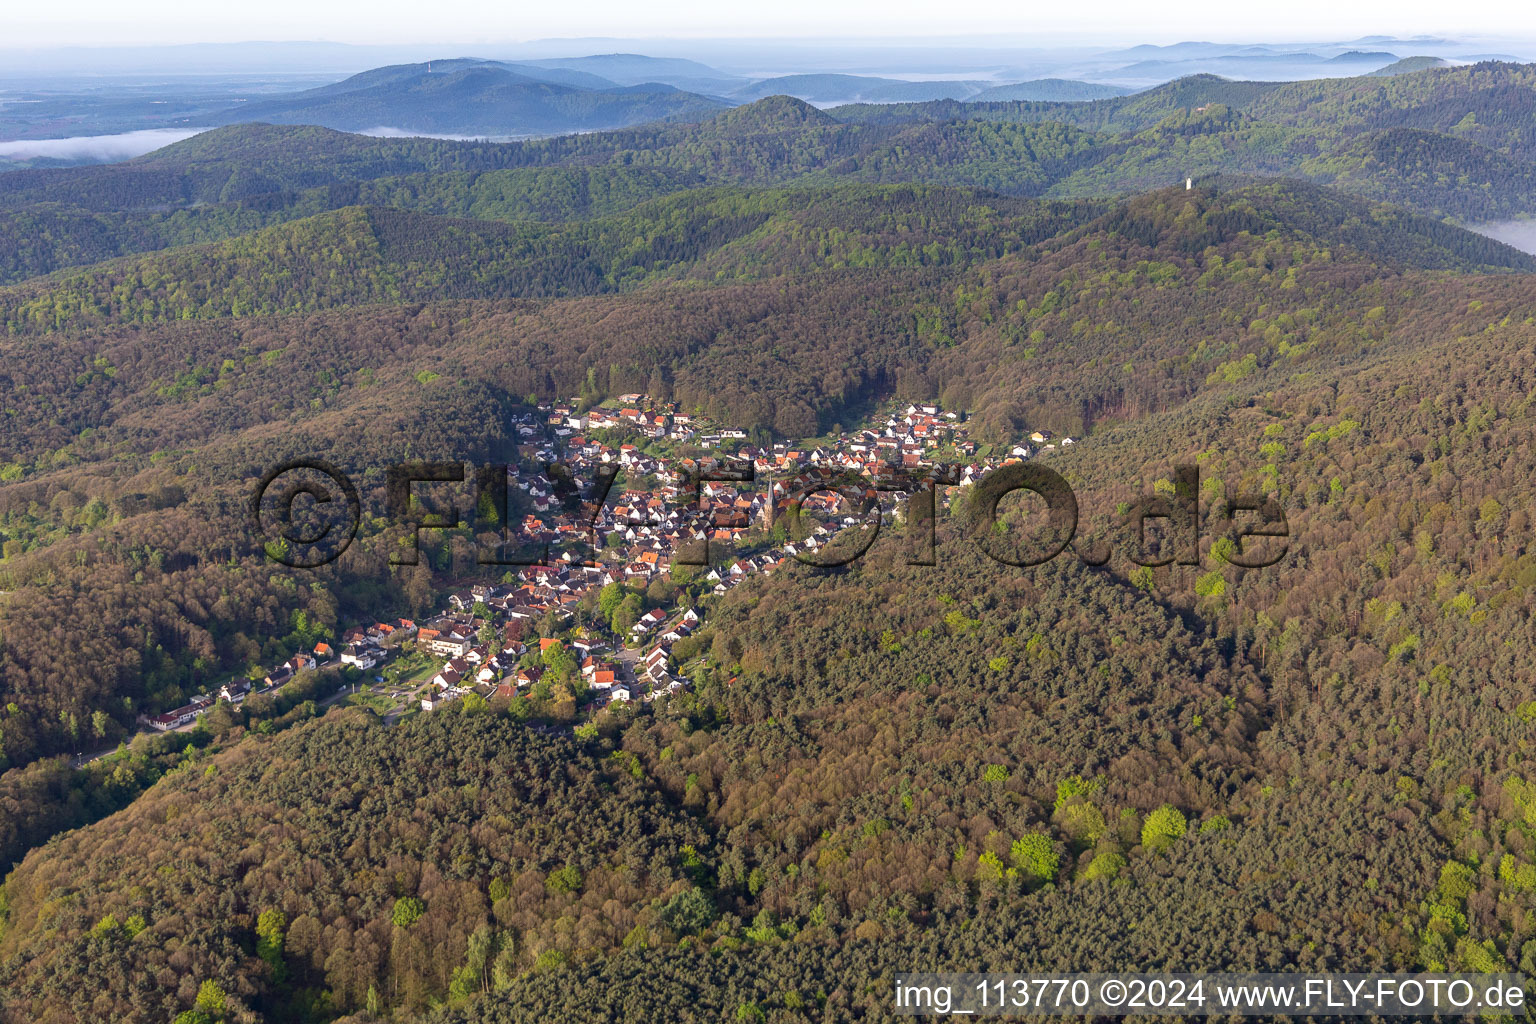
(87,149)
(1519,233)
(385,132)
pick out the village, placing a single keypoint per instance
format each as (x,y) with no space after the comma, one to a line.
(657,524)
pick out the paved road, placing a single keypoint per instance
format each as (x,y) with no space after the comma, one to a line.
(629,658)
(80,761)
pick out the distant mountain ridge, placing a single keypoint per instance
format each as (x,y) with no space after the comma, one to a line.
(65,105)
(1408,64)
(396,73)
(1398,140)
(475,97)
(1061,90)
(830,88)
(636,69)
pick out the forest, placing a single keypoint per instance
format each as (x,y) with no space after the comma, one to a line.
(1318,765)
(1449,143)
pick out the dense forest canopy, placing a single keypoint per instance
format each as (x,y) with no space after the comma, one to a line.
(1323,764)
(1446,142)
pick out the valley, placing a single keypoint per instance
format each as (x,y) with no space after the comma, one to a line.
(621,780)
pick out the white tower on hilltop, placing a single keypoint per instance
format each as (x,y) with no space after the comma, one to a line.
(1189,183)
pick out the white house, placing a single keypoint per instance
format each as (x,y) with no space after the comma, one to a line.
(433,701)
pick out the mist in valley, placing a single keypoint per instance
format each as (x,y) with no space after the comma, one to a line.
(1519,233)
(81,149)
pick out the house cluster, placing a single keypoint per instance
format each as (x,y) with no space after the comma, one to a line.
(479,635)
(185,715)
(656,420)
(912,436)
(478,651)
(301,662)
(368,647)
(487,656)
(654,663)
(237,689)
(641,526)
(363,647)
(634,537)
(656,511)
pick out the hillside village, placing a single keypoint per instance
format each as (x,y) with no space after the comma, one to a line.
(503,639)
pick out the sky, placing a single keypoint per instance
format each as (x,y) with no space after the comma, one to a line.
(112,22)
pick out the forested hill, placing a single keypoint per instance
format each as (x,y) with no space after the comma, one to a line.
(344,814)
(775,311)
(1440,142)
(359,255)
(1439,99)
(1321,765)
(1148,761)
(1473,160)
(476,97)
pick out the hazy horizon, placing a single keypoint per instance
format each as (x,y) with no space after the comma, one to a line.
(87,104)
(1003,57)
(986,22)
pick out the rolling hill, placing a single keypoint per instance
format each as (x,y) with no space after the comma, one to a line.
(378,255)
(637,69)
(1411,64)
(800,822)
(482,98)
(828,89)
(1113,763)
(1380,141)
(1049,90)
